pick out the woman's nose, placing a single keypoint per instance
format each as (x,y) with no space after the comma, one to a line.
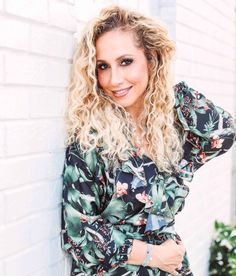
(116,76)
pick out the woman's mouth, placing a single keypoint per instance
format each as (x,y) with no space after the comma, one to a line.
(121,92)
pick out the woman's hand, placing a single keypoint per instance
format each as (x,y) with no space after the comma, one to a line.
(168,256)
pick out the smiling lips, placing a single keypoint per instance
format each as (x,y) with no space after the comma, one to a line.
(121,92)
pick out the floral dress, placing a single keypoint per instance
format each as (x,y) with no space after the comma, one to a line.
(105,208)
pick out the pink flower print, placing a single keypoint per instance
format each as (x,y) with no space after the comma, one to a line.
(141,221)
(121,189)
(202,155)
(143,197)
(216,142)
(83,218)
(206,107)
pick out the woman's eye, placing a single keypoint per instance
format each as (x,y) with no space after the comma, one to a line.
(126,61)
(102,66)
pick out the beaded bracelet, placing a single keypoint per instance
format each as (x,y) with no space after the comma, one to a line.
(148,256)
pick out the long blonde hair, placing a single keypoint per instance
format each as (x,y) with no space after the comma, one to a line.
(95,121)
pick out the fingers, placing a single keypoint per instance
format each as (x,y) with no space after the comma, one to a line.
(181,246)
(179,267)
(174,273)
(179,242)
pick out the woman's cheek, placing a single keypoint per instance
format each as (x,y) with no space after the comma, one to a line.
(101,80)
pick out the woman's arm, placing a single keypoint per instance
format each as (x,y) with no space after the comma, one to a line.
(87,237)
(168,256)
(210,130)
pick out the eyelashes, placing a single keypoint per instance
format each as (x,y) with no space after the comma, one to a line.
(124,62)
(102,66)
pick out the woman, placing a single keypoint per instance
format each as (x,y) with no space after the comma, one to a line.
(132,140)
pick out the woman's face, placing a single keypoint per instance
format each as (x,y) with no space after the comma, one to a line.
(122,69)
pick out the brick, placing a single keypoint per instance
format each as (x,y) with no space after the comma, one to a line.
(88,10)
(129,4)
(58,269)
(34,137)
(2,140)
(1,68)
(196,38)
(55,252)
(31,199)
(212,28)
(203,71)
(18,233)
(20,198)
(2,210)
(66,263)
(168,13)
(51,42)
(53,103)
(54,188)
(14,33)
(2,269)
(36,71)
(200,55)
(45,225)
(28,261)
(42,272)
(14,103)
(49,192)
(37,10)
(1,8)
(79,29)
(167,2)
(27,169)
(62,15)
(147,7)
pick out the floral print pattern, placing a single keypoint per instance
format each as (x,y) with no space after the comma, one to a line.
(105,207)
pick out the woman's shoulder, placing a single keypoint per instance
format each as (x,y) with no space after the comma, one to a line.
(182,89)
(180,85)
(76,154)
(188,97)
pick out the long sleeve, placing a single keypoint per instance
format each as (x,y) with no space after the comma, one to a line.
(86,235)
(209,130)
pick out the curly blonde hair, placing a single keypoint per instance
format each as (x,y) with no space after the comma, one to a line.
(95,121)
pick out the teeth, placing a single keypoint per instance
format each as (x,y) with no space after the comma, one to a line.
(121,91)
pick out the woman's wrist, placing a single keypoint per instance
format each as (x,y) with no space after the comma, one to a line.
(138,253)
(148,255)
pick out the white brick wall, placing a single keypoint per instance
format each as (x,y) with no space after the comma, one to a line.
(205,35)
(36,45)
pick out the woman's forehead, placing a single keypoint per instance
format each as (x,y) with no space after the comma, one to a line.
(116,43)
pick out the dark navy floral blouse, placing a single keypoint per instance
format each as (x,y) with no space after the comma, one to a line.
(105,208)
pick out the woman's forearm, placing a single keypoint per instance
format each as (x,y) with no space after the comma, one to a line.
(138,253)
(168,256)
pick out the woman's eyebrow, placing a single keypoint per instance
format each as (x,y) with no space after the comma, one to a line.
(118,58)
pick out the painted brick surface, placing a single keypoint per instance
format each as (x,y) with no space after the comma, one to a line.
(35,54)
(206,61)
(52,100)
(39,71)
(36,46)
(36,10)
(20,39)
(1,67)
(61,14)
(51,42)
(14,103)
(2,140)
